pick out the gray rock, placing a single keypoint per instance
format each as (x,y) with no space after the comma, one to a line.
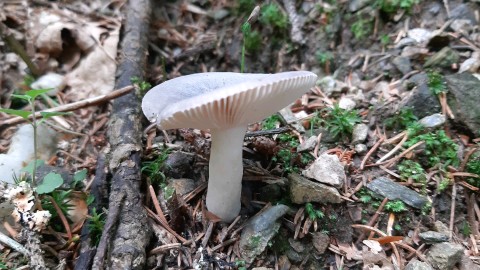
(296,245)
(355,5)
(294,256)
(308,145)
(465,11)
(328,85)
(320,242)
(327,169)
(446,57)
(303,190)
(359,133)
(421,101)
(360,148)
(393,191)
(419,34)
(402,64)
(347,103)
(441,227)
(431,237)
(433,121)
(290,118)
(445,255)
(471,65)
(404,42)
(182,186)
(259,231)
(327,136)
(418,265)
(462,26)
(463,98)
(178,164)
(467,264)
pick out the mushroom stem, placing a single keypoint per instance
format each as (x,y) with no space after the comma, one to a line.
(225,172)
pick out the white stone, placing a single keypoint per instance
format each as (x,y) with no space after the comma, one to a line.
(327,169)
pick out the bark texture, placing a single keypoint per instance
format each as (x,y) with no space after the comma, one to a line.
(126,231)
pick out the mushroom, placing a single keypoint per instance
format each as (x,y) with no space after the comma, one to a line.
(225,103)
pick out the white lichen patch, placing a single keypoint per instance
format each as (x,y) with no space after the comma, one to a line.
(23,199)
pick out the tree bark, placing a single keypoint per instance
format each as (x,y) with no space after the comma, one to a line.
(126,232)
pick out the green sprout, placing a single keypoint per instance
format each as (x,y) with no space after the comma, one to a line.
(439,148)
(395,206)
(436,82)
(95,225)
(272,15)
(361,28)
(409,169)
(340,122)
(312,213)
(392,6)
(402,119)
(270,122)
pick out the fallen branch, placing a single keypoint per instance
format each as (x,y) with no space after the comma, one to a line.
(75,105)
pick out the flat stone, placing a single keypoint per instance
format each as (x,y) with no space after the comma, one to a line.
(327,169)
(421,100)
(347,103)
(445,255)
(182,186)
(446,57)
(360,148)
(431,237)
(359,133)
(418,265)
(308,145)
(178,164)
(463,98)
(433,121)
(259,231)
(320,242)
(419,34)
(303,190)
(402,64)
(393,191)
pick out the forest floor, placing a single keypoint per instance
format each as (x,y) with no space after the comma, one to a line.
(378,164)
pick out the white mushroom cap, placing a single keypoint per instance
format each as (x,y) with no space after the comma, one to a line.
(223,99)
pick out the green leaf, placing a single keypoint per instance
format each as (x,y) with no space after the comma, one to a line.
(51,181)
(80,175)
(24,97)
(29,168)
(37,92)
(21,113)
(90,199)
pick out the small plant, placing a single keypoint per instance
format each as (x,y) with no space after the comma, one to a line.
(392,6)
(402,119)
(272,15)
(30,97)
(361,28)
(270,122)
(436,82)
(340,122)
(253,41)
(143,86)
(291,140)
(245,6)
(473,166)
(409,169)
(153,169)
(312,213)
(443,185)
(385,40)
(439,148)
(395,206)
(95,225)
(466,230)
(324,58)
